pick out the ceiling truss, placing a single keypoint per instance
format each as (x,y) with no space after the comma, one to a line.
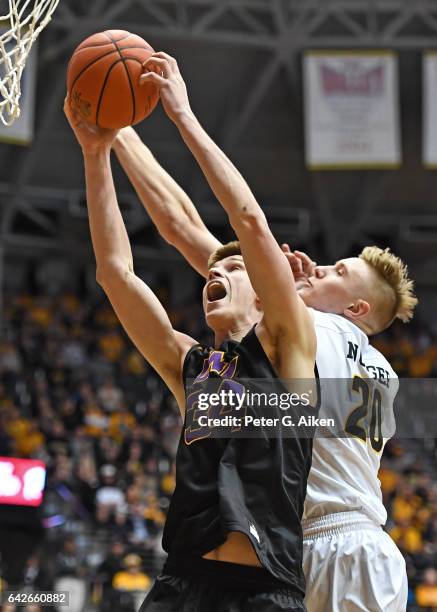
(280,25)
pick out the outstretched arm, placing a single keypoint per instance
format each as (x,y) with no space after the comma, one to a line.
(173,212)
(137,308)
(269,271)
(167,204)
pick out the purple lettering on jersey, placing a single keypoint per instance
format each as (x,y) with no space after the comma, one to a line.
(216,363)
(193,430)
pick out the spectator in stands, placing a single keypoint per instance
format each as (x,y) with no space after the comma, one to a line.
(389,479)
(57,437)
(70,414)
(112,345)
(154,516)
(73,354)
(109,395)
(136,524)
(70,574)
(426,592)
(107,570)
(110,499)
(131,581)
(134,461)
(121,422)
(95,420)
(85,482)
(62,470)
(10,360)
(406,502)
(35,575)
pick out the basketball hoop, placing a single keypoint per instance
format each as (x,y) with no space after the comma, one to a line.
(23,23)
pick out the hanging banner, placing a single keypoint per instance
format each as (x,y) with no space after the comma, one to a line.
(351,110)
(21,131)
(429,125)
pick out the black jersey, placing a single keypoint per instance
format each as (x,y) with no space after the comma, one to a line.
(253,485)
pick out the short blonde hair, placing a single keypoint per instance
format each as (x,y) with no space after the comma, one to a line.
(395,298)
(226,250)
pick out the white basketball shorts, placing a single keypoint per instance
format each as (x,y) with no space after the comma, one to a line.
(352,565)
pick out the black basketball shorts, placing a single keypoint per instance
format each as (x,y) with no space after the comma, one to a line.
(217,586)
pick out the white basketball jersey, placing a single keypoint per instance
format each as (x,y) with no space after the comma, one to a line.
(344,472)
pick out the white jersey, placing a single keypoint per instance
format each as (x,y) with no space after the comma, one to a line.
(344,472)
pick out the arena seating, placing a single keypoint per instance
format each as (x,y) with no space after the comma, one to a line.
(75,393)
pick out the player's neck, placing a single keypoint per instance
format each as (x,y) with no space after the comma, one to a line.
(360,324)
(237,334)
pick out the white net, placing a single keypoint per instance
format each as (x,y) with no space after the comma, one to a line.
(19,28)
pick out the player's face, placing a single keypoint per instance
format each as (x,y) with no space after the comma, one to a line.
(229,300)
(334,288)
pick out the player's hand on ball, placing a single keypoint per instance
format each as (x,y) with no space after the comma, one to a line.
(162,70)
(301,265)
(90,137)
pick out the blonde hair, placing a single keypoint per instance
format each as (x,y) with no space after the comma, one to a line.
(226,250)
(396,289)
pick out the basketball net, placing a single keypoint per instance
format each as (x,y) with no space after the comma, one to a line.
(19,29)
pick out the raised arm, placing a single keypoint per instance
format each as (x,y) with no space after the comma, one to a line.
(137,308)
(167,204)
(270,274)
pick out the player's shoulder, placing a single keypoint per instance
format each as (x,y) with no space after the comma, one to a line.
(336,323)
(336,333)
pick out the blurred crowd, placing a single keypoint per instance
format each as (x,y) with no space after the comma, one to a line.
(408,472)
(411,349)
(409,489)
(75,393)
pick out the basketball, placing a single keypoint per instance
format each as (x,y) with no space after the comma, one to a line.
(103,79)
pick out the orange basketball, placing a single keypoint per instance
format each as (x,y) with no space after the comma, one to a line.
(103,79)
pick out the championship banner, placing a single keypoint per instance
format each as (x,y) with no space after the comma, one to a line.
(21,131)
(351,110)
(429,125)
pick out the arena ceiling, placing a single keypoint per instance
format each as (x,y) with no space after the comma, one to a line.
(241,60)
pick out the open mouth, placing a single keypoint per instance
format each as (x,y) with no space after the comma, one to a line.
(215,291)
